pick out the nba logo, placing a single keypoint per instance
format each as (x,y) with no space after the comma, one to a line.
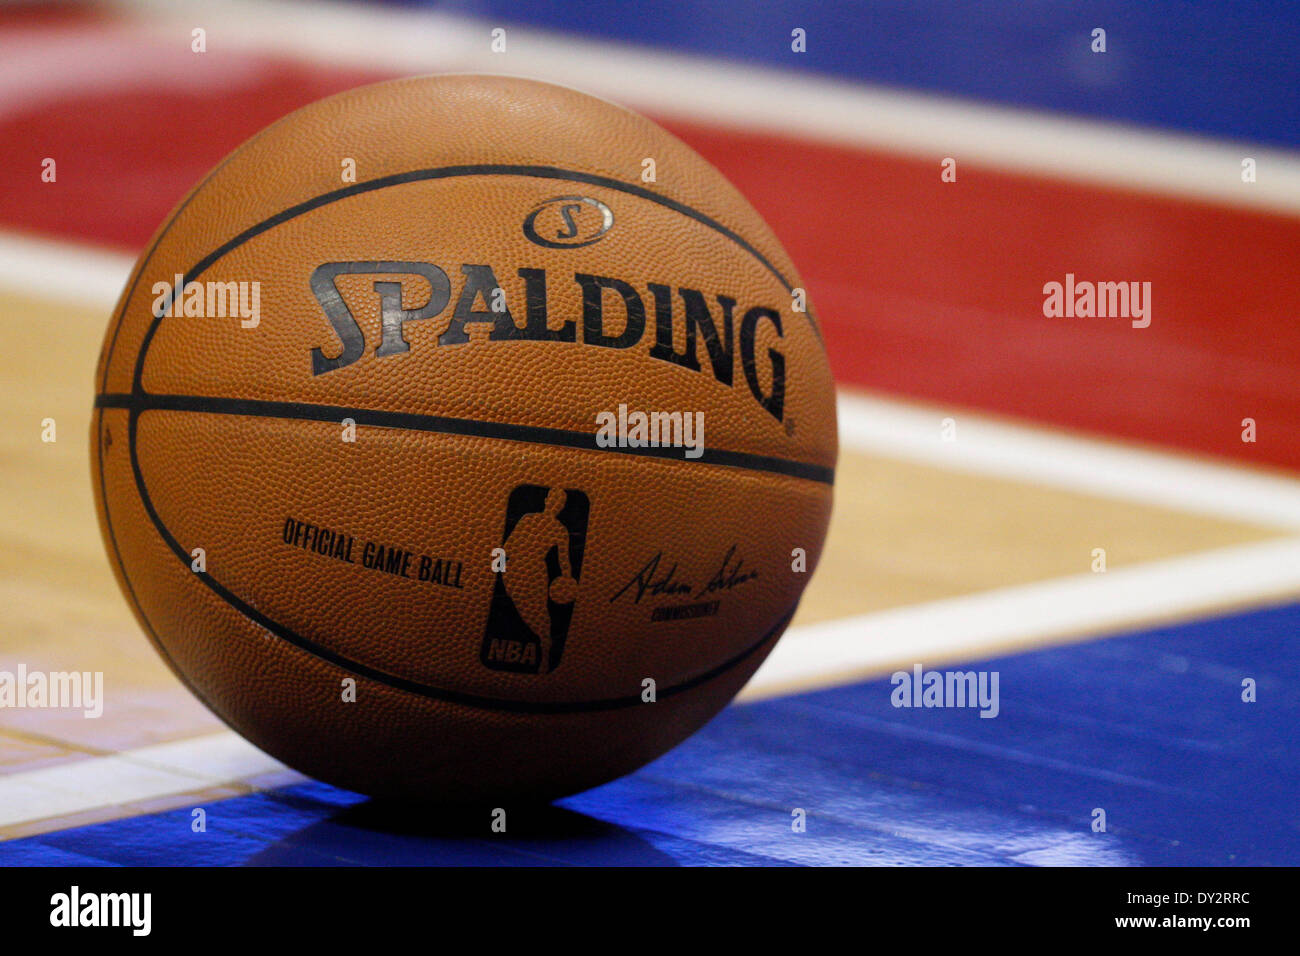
(532,599)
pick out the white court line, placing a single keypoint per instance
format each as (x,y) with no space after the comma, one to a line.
(63,270)
(1040,456)
(146,773)
(992,623)
(972,627)
(781,101)
(961,629)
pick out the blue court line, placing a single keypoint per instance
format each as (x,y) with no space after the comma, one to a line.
(1226,69)
(1150,727)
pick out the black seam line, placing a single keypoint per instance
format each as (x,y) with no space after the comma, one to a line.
(116,556)
(400,683)
(500,431)
(415,687)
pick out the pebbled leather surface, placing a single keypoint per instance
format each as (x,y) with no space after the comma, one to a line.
(267,634)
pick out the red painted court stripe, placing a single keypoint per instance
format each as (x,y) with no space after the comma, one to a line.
(934,290)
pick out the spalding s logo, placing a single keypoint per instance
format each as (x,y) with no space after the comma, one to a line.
(568,222)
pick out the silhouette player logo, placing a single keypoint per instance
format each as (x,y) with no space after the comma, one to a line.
(532,599)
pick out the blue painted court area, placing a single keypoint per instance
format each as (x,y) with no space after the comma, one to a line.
(1225,69)
(1149,727)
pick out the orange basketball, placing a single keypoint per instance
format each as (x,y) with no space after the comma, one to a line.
(564,590)
(457,438)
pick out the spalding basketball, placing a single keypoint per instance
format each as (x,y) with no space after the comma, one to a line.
(464,438)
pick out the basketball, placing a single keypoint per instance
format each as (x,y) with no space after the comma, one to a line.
(564,590)
(464,438)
